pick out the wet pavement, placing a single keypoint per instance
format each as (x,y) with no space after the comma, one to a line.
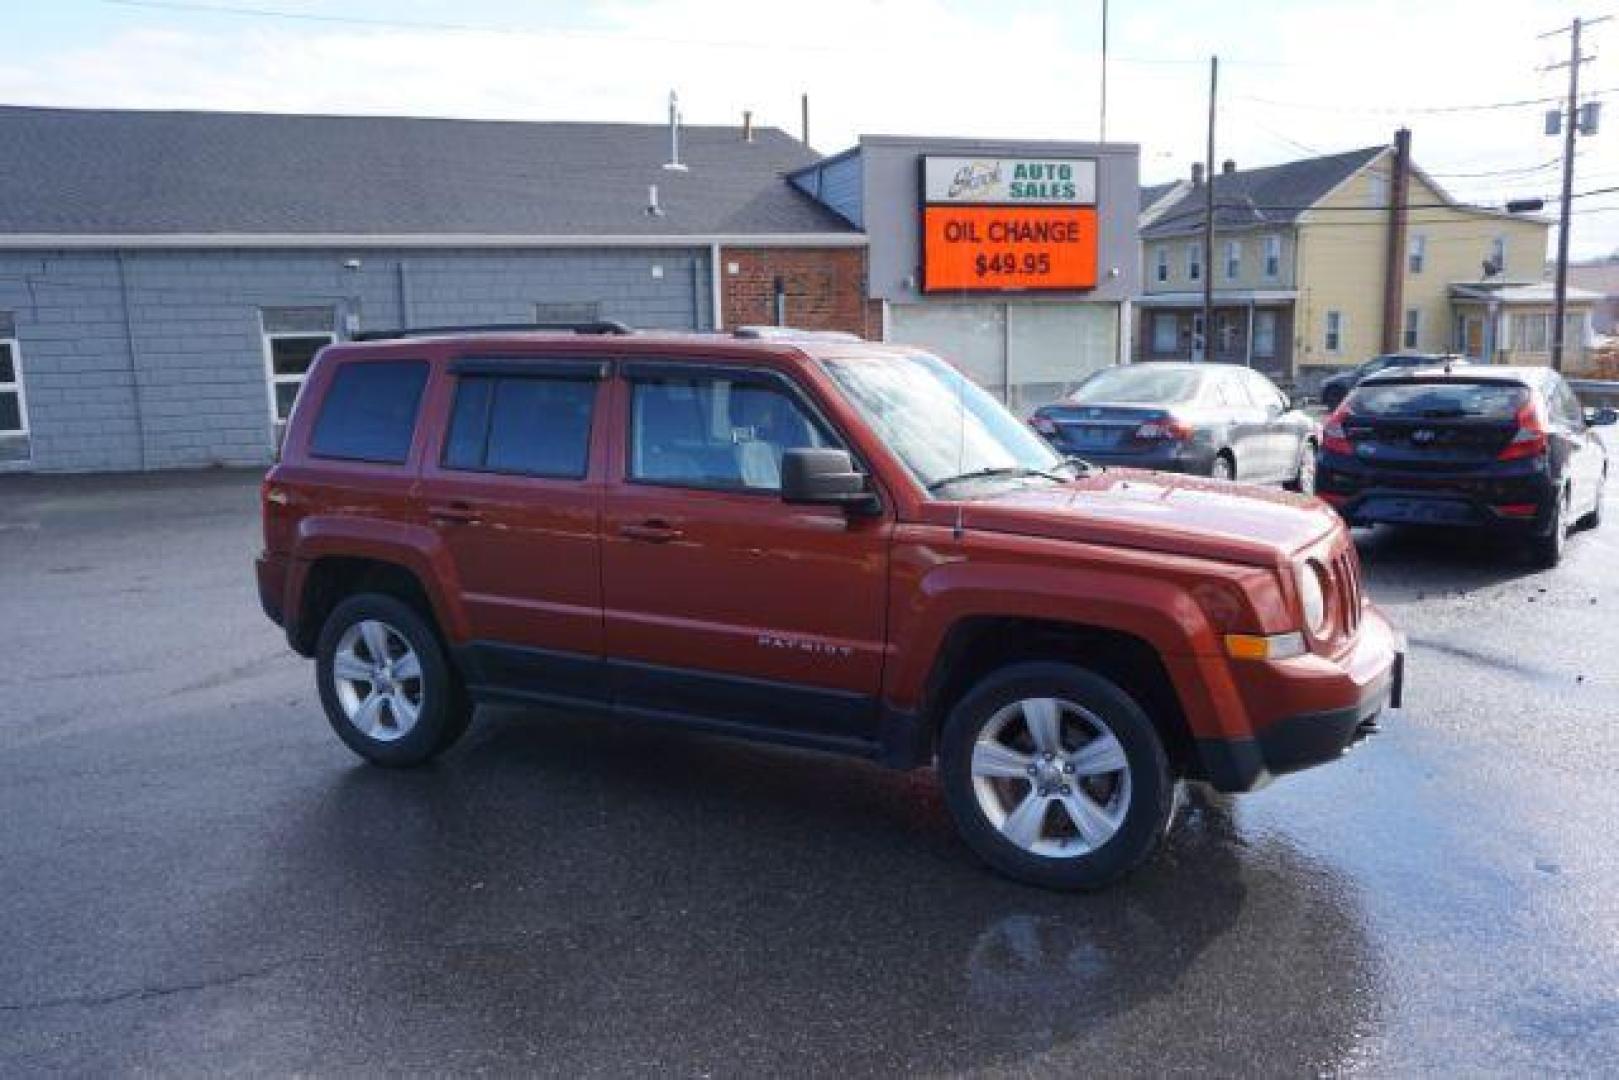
(195,876)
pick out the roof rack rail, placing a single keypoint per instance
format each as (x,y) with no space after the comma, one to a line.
(791,333)
(597,326)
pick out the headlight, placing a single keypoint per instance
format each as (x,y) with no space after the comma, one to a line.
(1313,596)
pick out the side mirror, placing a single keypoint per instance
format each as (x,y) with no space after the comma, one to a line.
(823,476)
(1603,417)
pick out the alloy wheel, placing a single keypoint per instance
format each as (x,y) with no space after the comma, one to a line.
(1051,777)
(378,679)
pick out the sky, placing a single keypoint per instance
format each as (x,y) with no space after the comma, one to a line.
(1296,78)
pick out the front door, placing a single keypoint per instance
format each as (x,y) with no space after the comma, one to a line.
(722,602)
(1473,337)
(512,495)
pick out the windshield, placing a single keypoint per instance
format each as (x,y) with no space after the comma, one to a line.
(1138,385)
(1494,401)
(938,422)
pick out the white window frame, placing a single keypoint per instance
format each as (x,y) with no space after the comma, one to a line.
(1377,190)
(1416,253)
(1332,338)
(1194,262)
(1273,256)
(16,387)
(1411,328)
(1161,271)
(1233,260)
(273,380)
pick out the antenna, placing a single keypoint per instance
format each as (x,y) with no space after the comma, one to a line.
(673,164)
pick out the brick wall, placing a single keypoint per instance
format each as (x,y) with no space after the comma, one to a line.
(193,390)
(825,288)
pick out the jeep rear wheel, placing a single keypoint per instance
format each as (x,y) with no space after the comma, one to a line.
(388,690)
(1055,776)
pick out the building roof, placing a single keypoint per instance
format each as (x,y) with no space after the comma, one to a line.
(1250,198)
(113,172)
(1150,195)
(1519,292)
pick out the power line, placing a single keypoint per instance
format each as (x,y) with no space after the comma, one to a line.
(1423,110)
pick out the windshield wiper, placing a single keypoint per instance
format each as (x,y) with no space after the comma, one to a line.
(1012,471)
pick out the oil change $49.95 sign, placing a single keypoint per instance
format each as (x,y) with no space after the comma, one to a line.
(1008,224)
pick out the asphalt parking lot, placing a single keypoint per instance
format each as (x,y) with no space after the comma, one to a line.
(196,876)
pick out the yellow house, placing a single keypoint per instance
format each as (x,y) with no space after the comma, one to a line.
(1301,255)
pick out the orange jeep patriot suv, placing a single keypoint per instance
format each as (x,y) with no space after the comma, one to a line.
(814,540)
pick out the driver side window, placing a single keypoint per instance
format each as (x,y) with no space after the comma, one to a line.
(720,431)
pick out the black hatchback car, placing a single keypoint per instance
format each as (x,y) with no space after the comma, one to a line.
(1219,420)
(1484,447)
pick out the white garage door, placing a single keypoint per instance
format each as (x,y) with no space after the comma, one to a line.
(1026,354)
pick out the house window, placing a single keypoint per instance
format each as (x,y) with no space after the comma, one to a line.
(1233,259)
(1161,269)
(13,408)
(1273,256)
(1498,254)
(292,337)
(1198,345)
(579,311)
(1416,255)
(1194,262)
(1377,190)
(1265,334)
(1333,341)
(1412,332)
(1532,333)
(1166,330)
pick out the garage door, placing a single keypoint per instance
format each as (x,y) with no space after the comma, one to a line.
(1026,354)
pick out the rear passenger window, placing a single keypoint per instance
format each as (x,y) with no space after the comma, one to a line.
(370,411)
(532,426)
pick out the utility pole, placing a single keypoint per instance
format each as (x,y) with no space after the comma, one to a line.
(1104,73)
(1570,122)
(1208,218)
(1395,262)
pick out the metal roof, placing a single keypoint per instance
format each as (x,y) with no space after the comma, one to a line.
(78,172)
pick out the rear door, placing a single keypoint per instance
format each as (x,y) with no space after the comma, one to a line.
(514,491)
(1585,457)
(723,602)
(1249,427)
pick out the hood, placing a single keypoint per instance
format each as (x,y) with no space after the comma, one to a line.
(1153,511)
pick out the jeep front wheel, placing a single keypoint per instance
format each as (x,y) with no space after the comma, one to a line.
(388,690)
(1055,776)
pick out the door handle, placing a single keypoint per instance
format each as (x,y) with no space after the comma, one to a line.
(651,532)
(454,514)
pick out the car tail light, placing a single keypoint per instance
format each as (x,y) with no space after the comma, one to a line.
(1170,428)
(1043,424)
(1333,438)
(1530,440)
(1517,510)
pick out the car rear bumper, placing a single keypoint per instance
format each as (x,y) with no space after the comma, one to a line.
(1337,703)
(1519,501)
(1176,458)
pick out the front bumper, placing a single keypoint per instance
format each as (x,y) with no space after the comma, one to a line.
(1345,699)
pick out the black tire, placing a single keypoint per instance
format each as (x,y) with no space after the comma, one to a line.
(444,710)
(1546,549)
(1148,802)
(1303,480)
(1224,466)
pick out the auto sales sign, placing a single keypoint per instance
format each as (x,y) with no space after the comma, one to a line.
(1008,224)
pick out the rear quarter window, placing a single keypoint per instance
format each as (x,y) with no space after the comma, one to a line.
(369,412)
(1485,401)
